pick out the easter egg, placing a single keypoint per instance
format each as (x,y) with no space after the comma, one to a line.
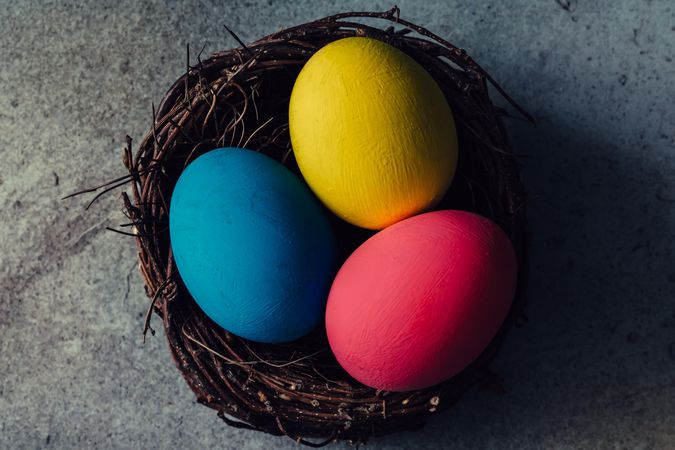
(372,132)
(420,300)
(252,245)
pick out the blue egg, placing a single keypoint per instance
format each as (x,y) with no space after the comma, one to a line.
(252,245)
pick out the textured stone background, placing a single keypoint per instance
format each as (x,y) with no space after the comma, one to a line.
(595,368)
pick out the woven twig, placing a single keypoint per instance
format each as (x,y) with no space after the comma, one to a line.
(240,98)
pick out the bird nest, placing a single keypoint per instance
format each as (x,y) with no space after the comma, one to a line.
(240,98)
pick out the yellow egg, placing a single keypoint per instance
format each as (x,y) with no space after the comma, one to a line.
(372,132)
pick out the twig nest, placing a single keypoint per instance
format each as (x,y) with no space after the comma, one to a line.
(240,98)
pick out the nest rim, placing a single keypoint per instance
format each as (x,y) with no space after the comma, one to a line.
(241,380)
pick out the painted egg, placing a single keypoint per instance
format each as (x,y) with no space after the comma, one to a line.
(419,301)
(252,245)
(372,132)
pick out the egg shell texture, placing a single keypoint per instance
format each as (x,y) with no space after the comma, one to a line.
(252,245)
(420,300)
(372,132)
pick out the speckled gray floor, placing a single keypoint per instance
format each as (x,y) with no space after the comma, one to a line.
(595,368)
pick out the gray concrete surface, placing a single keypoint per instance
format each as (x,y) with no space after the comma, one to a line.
(595,368)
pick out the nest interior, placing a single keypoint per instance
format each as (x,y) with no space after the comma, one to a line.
(240,98)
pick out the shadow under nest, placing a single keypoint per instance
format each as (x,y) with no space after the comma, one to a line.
(240,98)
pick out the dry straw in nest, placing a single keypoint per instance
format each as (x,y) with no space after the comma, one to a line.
(240,98)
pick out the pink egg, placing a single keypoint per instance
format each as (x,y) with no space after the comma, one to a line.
(420,300)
